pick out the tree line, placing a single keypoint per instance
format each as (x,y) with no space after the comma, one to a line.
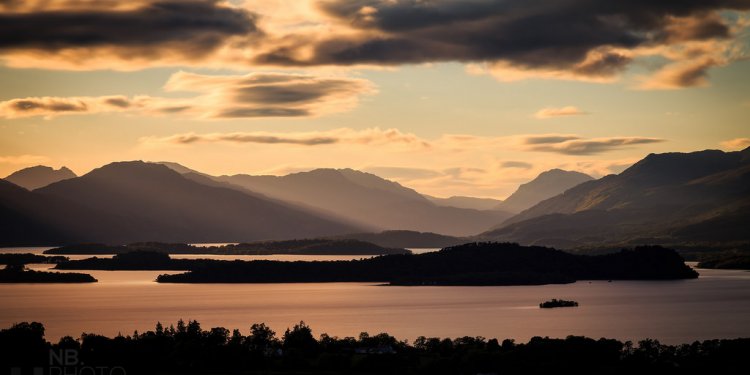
(188,348)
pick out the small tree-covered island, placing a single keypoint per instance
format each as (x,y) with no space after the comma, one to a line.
(14,273)
(469,264)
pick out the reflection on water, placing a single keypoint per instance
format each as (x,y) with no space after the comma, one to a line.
(717,305)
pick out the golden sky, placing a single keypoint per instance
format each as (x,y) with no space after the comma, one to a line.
(448,97)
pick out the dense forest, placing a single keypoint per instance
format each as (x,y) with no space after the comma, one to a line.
(469,264)
(187,348)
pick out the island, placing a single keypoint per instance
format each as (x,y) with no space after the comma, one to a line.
(18,274)
(319,246)
(28,258)
(485,263)
(553,303)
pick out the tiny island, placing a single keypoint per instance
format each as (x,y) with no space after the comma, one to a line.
(553,303)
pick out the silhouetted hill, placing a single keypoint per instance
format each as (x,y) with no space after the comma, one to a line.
(547,185)
(29,218)
(368,200)
(466,202)
(674,198)
(408,239)
(162,205)
(468,264)
(35,177)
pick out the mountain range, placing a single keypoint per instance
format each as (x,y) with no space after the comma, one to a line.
(136,201)
(698,199)
(369,201)
(692,199)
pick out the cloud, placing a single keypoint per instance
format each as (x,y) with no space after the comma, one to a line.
(54,106)
(548,138)
(690,66)
(538,40)
(736,144)
(219,97)
(587,146)
(372,136)
(552,112)
(23,159)
(157,30)
(560,143)
(510,40)
(272,94)
(515,164)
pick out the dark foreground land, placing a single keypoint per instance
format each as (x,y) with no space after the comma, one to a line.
(469,264)
(316,246)
(189,349)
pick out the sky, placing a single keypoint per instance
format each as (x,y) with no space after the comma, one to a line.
(448,97)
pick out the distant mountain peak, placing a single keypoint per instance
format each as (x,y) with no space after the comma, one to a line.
(179,168)
(39,176)
(670,197)
(546,185)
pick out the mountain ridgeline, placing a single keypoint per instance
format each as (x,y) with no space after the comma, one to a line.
(675,199)
(369,201)
(547,185)
(700,198)
(35,177)
(136,201)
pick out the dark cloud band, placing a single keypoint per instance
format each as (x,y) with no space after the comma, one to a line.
(531,34)
(198,26)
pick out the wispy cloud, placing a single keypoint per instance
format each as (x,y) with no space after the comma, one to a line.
(736,144)
(515,164)
(219,97)
(372,136)
(552,112)
(590,146)
(569,144)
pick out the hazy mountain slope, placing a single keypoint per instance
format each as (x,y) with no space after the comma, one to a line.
(655,180)
(366,198)
(698,197)
(205,179)
(179,168)
(29,218)
(466,202)
(547,185)
(35,177)
(170,207)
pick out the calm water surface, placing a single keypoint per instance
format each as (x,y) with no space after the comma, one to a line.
(717,305)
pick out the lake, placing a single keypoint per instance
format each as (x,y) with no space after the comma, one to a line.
(716,305)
